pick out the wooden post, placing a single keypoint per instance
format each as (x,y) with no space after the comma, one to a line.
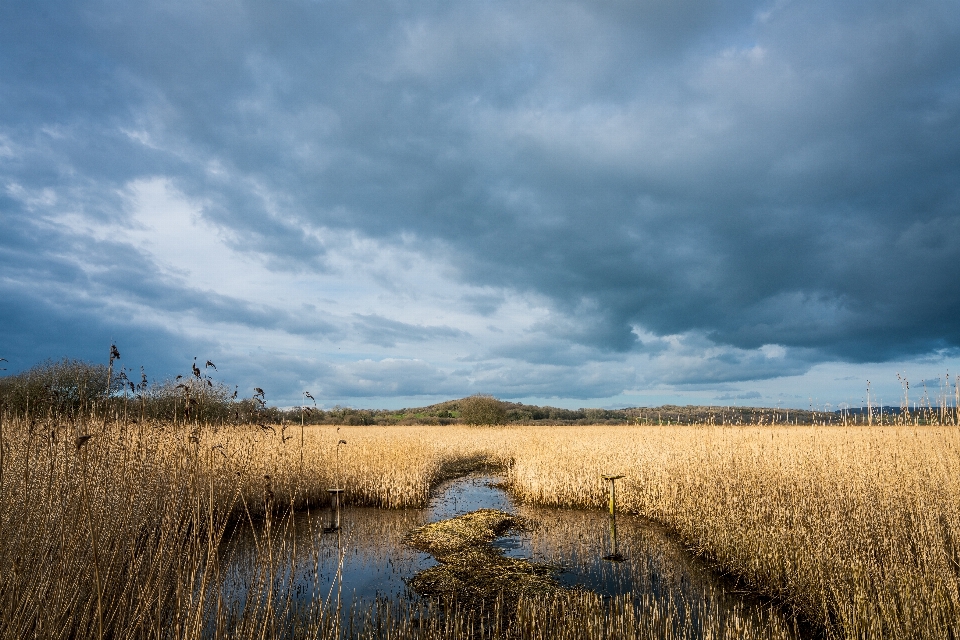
(613,492)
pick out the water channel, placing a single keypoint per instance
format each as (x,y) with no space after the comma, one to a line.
(376,564)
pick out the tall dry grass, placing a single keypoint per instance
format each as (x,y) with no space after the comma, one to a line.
(115,530)
(856,528)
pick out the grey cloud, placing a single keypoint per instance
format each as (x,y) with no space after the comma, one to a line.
(72,267)
(395,377)
(693,361)
(549,350)
(36,328)
(519,379)
(484,304)
(377,330)
(392,377)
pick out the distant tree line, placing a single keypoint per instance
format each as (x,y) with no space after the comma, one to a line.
(73,389)
(487,410)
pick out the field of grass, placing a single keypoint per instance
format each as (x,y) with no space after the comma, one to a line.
(854,527)
(118,536)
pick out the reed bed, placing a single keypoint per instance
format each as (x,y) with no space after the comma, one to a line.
(120,535)
(855,528)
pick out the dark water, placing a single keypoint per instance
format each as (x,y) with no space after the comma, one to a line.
(376,563)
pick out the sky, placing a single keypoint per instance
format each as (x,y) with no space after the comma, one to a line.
(581,204)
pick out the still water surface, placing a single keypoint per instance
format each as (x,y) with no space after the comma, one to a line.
(376,563)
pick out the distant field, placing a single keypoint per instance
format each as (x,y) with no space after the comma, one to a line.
(854,527)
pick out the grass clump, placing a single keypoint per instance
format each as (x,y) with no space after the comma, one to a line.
(470,569)
(476,529)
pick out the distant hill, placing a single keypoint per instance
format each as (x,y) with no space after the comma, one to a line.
(517,413)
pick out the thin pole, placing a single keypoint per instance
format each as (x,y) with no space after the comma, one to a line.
(613,497)
(613,492)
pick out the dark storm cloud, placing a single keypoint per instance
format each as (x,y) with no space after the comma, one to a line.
(753,173)
(37,327)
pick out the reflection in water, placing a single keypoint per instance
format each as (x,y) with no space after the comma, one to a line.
(367,561)
(463,495)
(375,562)
(335,510)
(614,555)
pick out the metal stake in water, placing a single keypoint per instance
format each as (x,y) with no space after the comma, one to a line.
(614,555)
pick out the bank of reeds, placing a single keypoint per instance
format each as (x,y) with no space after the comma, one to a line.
(110,529)
(855,528)
(119,535)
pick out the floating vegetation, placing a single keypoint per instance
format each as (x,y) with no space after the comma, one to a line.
(470,568)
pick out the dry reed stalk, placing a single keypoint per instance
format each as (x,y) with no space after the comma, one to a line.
(81,449)
(840,523)
(858,528)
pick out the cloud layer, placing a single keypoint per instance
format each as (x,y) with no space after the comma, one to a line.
(566,200)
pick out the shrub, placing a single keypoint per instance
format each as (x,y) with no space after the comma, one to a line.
(62,387)
(482,409)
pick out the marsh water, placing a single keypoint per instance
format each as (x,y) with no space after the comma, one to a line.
(366,560)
